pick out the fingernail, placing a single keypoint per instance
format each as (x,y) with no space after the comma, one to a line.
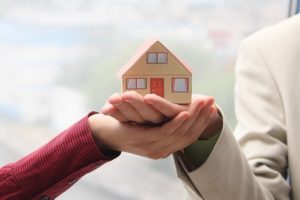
(208,110)
(127,100)
(148,101)
(116,105)
(211,102)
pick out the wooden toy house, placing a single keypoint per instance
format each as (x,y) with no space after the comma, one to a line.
(155,69)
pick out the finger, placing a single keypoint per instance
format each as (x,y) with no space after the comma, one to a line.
(152,148)
(112,111)
(129,112)
(202,117)
(147,112)
(107,109)
(194,132)
(115,99)
(149,135)
(167,108)
(125,109)
(188,132)
(195,109)
(198,127)
(158,133)
(171,138)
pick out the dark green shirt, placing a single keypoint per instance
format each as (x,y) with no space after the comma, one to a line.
(198,152)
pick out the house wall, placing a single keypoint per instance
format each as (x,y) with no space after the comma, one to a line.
(173,67)
(140,91)
(177,97)
(180,98)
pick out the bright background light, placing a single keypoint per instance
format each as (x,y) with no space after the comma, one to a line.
(59,60)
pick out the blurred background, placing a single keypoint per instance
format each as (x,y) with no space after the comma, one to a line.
(59,60)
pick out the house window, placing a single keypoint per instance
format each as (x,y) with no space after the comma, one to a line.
(157,58)
(162,58)
(131,83)
(152,58)
(180,84)
(141,83)
(136,83)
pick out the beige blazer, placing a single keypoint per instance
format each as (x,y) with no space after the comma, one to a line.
(267,100)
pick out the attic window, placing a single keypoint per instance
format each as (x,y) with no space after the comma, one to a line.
(152,58)
(157,58)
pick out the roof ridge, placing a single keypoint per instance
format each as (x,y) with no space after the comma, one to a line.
(147,45)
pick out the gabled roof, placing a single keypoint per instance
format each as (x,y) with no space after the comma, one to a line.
(144,48)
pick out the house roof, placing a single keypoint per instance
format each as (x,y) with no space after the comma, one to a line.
(144,48)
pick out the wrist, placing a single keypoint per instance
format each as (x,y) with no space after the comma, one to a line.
(100,136)
(215,126)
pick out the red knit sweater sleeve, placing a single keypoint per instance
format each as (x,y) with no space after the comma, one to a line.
(53,168)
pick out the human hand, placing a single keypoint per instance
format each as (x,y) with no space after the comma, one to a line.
(133,107)
(148,141)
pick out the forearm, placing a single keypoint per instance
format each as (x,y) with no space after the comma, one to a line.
(196,153)
(53,168)
(226,174)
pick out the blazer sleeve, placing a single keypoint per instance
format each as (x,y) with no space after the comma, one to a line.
(255,167)
(55,167)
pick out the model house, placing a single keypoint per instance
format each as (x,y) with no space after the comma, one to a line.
(155,69)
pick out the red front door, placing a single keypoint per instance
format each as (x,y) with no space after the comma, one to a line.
(157,86)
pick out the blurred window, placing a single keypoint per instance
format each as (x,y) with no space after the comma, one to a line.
(180,84)
(151,58)
(136,83)
(131,83)
(162,58)
(157,58)
(141,83)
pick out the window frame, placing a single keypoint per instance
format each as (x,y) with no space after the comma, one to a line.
(136,85)
(156,58)
(147,57)
(163,53)
(187,85)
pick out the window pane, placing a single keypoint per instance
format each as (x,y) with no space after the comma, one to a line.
(162,58)
(131,83)
(180,85)
(151,58)
(141,83)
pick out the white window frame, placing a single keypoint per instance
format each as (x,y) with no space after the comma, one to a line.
(158,57)
(136,85)
(177,90)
